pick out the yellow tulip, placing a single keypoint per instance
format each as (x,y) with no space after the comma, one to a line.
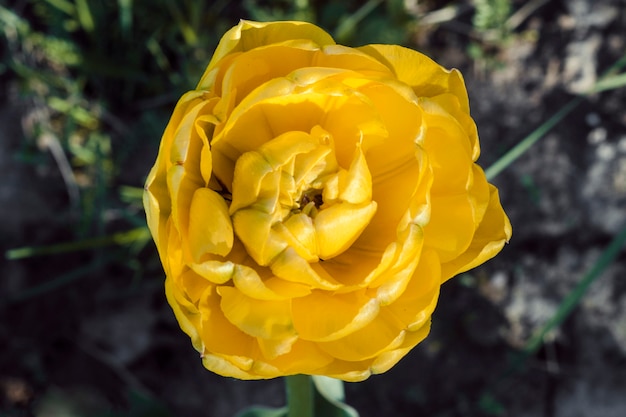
(309,199)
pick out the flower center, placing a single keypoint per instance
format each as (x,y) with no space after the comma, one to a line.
(292,193)
(312,195)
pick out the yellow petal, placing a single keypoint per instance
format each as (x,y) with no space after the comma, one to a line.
(287,289)
(193,285)
(253,228)
(492,233)
(424,75)
(258,318)
(157,199)
(451,225)
(279,151)
(395,191)
(157,211)
(248,281)
(324,316)
(350,219)
(181,187)
(186,313)
(349,371)
(479,193)
(356,187)
(210,228)
(353,267)
(359,267)
(224,365)
(416,304)
(272,348)
(393,281)
(381,334)
(171,251)
(339,56)
(387,360)
(291,267)
(394,109)
(299,233)
(451,104)
(218,334)
(260,65)
(250,170)
(304,358)
(448,149)
(248,35)
(217,272)
(319,161)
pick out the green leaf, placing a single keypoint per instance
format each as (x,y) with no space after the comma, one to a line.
(263,412)
(84,16)
(126,15)
(329,397)
(610,83)
(330,388)
(572,300)
(521,148)
(348,26)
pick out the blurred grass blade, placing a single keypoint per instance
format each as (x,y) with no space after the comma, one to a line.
(84,16)
(573,298)
(126,15)
(347,27)
(185,27)
(256,411)
(10,21)
(568,304)
(155,49)
(610,83)
(139,234)
(131,195)
(62,280)
(62,5)
(607,81)
(519,149)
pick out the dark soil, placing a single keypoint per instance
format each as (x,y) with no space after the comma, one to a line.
(110,341)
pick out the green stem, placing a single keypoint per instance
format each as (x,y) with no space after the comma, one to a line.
(299,395)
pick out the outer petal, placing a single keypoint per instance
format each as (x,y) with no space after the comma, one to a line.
(427,78)
(248,35)
(258,318)
(325,316)
(492,233)
(157,200)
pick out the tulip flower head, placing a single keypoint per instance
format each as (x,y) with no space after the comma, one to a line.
(309,199)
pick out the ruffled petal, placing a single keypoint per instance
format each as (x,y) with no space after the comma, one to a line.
(248,35)
(258,318)
(323,316)
(492,233)
(210,227)
(425,76)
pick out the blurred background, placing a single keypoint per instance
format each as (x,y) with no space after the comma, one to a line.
(86,89)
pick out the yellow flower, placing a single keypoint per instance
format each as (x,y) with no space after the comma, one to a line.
(309,199)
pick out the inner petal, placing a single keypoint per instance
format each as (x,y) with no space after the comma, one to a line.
(339,225)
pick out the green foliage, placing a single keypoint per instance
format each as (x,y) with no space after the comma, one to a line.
(490,406)
(492,31)
(316,396)
(491,15)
